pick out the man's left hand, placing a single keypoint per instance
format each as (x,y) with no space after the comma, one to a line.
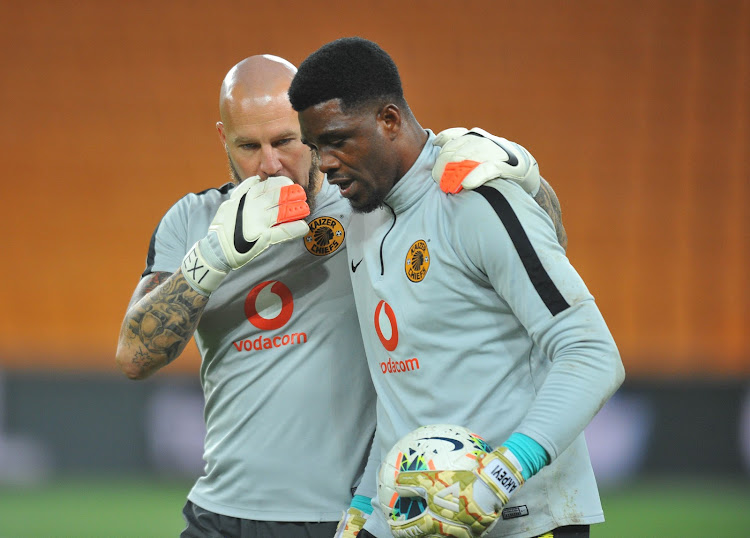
(352,522)
(469,159)
(460,504)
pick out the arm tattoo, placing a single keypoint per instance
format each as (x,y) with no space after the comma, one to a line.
(162,322)
(147,286)
(547,200)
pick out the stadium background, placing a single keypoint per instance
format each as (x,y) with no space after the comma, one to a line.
(637,111)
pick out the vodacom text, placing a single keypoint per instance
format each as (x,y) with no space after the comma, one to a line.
(395,367)
(261,342)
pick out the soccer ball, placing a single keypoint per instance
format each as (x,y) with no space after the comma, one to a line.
(438,447)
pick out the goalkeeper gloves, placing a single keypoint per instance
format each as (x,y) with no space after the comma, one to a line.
(352,522)
(469,159)
(461,504)
(256,215)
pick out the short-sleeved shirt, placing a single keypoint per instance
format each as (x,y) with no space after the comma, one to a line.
(289,405)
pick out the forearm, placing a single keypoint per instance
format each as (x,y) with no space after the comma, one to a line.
(586,371)
(158,326)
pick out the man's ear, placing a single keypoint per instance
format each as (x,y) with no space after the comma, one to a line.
(222,134)
(389,117)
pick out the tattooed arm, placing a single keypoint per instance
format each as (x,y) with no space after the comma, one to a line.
(161,319)
(547,200)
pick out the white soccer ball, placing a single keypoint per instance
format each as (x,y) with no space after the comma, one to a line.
(438,447)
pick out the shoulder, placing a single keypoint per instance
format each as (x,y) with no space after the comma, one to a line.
(207,197)
(197,203)
(498,217)
(497,203)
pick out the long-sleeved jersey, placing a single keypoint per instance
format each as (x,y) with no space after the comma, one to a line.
(471,314)
(289,406)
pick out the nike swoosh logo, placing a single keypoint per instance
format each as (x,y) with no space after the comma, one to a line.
(457,445)
(241,244)
(512,159)
(354,267)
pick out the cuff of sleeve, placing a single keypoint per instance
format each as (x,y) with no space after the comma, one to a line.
(530,454)
(201,276)
(362,503)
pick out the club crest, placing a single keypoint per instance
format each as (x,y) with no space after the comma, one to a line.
(326,235)
(417,261)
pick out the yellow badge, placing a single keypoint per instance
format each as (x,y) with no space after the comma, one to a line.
(417,261)
(326,236)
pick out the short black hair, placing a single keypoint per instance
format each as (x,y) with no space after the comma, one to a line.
(352,69)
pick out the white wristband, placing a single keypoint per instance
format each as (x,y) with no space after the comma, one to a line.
(199,274)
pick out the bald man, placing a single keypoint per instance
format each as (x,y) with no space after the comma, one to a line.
(258,127)
(289,405)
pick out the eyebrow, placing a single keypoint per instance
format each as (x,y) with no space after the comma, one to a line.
(280,136)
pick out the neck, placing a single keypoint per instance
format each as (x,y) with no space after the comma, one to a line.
(413,138)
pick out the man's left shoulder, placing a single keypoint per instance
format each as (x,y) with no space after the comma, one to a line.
(474,204)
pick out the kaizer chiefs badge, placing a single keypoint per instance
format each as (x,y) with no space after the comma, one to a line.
(326,235)
(417,261)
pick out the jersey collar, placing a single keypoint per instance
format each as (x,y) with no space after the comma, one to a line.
(417,181)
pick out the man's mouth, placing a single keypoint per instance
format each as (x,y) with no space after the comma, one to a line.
(344,186)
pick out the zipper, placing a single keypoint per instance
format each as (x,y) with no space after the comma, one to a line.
(382,241)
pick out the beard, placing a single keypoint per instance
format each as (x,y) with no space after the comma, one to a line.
(233,173)
(369,199)
(314,179)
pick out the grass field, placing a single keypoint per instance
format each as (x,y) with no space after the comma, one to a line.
(115,508)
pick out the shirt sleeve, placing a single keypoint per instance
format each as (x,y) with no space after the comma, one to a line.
(168,244)
(516,247)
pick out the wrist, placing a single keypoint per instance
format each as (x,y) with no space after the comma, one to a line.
(199,274)
(502,472)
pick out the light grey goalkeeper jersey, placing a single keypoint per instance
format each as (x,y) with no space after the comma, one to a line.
(289,405)
(471,314)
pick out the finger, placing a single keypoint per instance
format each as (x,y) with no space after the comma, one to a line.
(288,231)
(276,182)
(448,134)
(245,186)
(292,204)
(454,175)
(416,478)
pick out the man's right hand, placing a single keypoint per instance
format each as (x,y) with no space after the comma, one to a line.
(258,214)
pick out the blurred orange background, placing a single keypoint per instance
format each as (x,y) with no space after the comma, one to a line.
(637,112)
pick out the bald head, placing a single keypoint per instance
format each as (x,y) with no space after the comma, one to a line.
(255,81)
(259,129)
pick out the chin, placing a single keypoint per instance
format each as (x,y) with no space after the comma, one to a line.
(367,206)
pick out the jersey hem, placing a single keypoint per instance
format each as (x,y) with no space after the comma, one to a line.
(270,515)
(552,524)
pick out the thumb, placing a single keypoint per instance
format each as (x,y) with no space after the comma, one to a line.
(288,231)
(245,186)
(447,135)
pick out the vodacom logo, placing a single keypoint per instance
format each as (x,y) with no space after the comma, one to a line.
(384,310)
(390,343)
(265,298)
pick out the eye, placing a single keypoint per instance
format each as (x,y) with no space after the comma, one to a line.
(249,146)
(283,142)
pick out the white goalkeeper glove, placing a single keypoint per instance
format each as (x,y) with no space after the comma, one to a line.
(461,504)
(352,522)
(256,215)
(469,159)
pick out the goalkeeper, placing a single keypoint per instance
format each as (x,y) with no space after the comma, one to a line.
(289,405)
(470,311)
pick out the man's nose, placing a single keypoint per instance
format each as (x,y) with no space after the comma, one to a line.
(328,162)
(270,165)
